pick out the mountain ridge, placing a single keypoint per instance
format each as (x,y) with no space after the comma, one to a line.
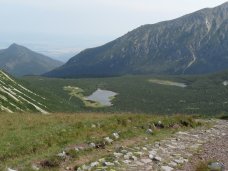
(192,44)
(19,60)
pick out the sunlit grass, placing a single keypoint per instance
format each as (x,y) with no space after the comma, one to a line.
(26,138)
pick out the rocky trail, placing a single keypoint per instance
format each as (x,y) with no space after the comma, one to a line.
(182,151)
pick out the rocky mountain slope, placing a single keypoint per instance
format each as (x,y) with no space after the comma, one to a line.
(18,61)
(193,44)
(14,97)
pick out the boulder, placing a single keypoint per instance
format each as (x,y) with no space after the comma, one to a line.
(159,124)
(149,131)
(116,135)
(108,140)
(94,164)
(92,145)
(63,154)
(134,158)
(151,156)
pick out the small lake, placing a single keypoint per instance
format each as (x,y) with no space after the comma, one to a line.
(104,97)
(183,85)
(169,83)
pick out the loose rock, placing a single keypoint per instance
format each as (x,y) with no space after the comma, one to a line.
(92,145)
(63,154)
(108,140)
(146,161)
(149,131)
(156,158)
(116,135)
(35,167)
(94,164)
(166,168)
(118,155)
(108,164)
(9,169)
(93,126)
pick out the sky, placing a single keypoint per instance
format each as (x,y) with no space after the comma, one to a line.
(62,28)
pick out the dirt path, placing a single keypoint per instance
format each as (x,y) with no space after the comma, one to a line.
(183,151)
(180,150)
(213,150)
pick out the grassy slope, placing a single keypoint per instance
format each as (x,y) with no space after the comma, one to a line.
(204,94)
(16,98)
(29,138)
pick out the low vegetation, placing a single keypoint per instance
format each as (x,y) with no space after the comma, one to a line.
(207,166)
(225,117)
(28,139)
(202,166)
(78,93)
(136,94)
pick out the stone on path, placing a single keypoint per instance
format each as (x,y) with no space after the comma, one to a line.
(108,164)
(118,155)
(157,158)
(166,168)
(146,161)
(139,163)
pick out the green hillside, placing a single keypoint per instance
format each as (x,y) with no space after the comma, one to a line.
(14,97)
(139,94)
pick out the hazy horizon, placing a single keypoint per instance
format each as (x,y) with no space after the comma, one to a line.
(61,29)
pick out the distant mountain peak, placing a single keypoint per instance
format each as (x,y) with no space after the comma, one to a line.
(15,46)
(19,60)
